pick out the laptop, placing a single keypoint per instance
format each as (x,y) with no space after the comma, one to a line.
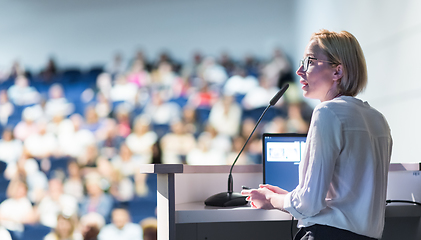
(282,154)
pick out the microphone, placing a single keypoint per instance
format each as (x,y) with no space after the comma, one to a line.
(230,198)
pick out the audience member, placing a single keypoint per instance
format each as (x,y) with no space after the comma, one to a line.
(260,96)
(164,57)
(278,124)
(126,170)
(244,158)
(177,144)
(254,145)
(190,70)
(140,55)
(296,122)
(6,108)
(104,84)
(92,122)
(42,144)
(251,66)
(88,158)
(36,180)
(4,234)
(49,73)
(278,67)
(191,123)
(142,139)
(15,70)
(204,154)
(125,162)
(16,210)
(160,111)
(121,227)
(218,141)
(240,84)
(10,149)
(123,91)
(65,229)
(57,102)
(150,228)
(213,73)
(116,66)
(73,139)
(122,115)
(55,204)
(22,94)
(90,225)
(138,75)
(121,188)
(109,139)
(227,63)
(204,98)
(27,169)
(164,77)
(103,107)
(54,124)
(73,184)
(96,200)
(28,125)
(225,116)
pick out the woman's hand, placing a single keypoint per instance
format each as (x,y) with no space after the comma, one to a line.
(274,189)
(266,197)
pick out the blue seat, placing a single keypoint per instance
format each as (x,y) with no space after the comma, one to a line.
(58,164)
(6,84)
(4,183)
(257,112)
(91,76)
(35,232)
(140,208)
(180,101)
(239,98)
(161,129)
(202,114)
(145,206)
(71,75)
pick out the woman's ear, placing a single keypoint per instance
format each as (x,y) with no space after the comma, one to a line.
(338,73)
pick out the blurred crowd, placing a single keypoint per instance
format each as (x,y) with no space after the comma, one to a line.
(72,140)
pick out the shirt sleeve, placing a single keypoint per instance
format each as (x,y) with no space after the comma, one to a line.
(324,144)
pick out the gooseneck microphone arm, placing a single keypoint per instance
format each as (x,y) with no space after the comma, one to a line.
(229,198)
(272,102)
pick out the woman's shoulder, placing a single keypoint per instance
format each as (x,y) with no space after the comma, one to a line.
(343,102)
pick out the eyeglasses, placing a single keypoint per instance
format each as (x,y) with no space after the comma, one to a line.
(306,62)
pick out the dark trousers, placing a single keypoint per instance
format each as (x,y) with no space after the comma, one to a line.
(323,232)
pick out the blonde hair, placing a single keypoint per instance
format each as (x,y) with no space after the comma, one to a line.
(342,48)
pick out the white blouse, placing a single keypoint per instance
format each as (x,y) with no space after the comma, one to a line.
(343,177)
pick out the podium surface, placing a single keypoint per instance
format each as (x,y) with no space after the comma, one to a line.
(182,190)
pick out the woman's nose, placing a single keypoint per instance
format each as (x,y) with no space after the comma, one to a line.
(300,70)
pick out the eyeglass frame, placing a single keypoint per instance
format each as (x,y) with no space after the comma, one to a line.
(307,60)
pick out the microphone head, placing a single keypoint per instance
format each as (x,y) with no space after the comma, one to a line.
(278,95)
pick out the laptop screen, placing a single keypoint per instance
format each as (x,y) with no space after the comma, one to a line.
(282,154)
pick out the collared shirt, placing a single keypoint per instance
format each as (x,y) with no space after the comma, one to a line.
(130,231)
(343,177)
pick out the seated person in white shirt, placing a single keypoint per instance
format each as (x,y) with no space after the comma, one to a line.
(121,227)
(16,210)
(55,203)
